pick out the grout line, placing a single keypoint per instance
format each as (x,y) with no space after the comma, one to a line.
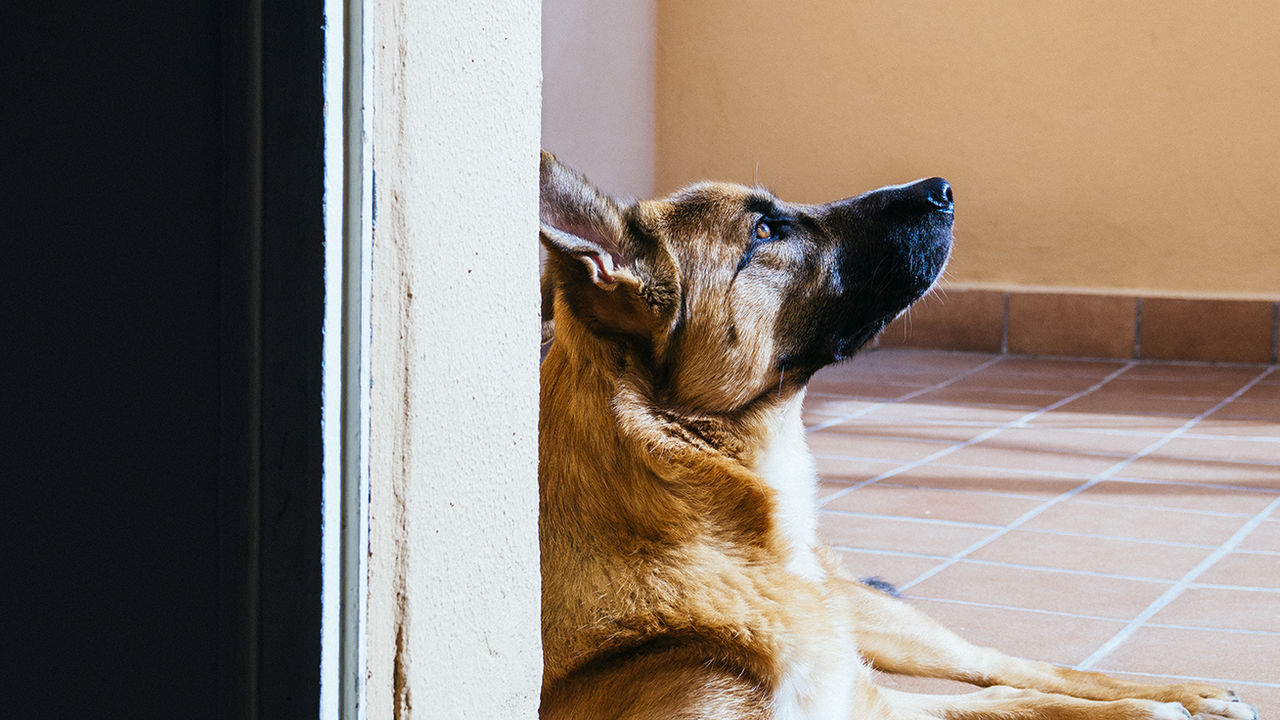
(1162,508)
(1122,538)
(1081,616)
(892,553)
(1065,476)
(1106,474)
(1172,593)
(994,606)
(1068,571)
(1265,439)
(911,395)
(1240,588)
(1203,629)
(989,493)
(1208,486)
(1040,531)
(984,468)
(1200,628)
(910,519)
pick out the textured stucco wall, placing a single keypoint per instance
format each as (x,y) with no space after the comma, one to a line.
(598,62)
(1101,144)
(453,585)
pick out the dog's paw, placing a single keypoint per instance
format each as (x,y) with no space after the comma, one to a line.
(1212,709)
(1207,702)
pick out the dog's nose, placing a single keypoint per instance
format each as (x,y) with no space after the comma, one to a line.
(937,193)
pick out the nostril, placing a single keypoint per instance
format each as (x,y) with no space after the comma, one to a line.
(938,193)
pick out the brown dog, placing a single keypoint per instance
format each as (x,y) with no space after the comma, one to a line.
(681,573)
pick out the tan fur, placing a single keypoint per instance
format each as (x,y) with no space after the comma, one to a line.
(680,576)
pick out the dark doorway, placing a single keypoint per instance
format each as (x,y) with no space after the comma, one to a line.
(160,342)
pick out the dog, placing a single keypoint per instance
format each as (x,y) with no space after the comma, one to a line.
(682,576)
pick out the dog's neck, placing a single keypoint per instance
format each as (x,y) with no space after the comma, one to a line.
(749,476)
(788,466)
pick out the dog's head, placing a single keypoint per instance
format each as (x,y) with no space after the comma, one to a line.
(724,294)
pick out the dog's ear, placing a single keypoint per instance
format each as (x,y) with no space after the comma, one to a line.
(594,256)
(580,222)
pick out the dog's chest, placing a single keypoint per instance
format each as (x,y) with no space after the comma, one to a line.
(788,467)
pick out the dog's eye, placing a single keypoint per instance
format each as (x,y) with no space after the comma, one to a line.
(764,230)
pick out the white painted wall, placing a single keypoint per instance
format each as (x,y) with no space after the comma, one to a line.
(598,65)
(453,581)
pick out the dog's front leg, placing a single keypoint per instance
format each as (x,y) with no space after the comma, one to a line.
(895,637)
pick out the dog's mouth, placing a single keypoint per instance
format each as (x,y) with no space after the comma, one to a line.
(893,244)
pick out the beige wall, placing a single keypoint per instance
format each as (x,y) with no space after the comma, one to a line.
(598,68)
(454,602)
(1094,145)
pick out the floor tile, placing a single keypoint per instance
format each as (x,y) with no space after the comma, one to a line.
(1263,697)
(1227,609)
(1092,554)
(894,569)
(1158,467)
(1263,392)
(958,395)
(923,686)
(1102,597)
(998,377)
(1264,410)
(835,405)
(901,367)
(1198,654)
(844,441)
(1069,416)
(1263,452)
(1178,496)
(1087,367)
(878,425)
(995,452)
(938,474)
(1164,388)
(1228,377)
(1142,523)
(929,503)
(935,411)
(1023,633)
(1219,427)
(1074,441)
(860,389)
(909,536)
(1134,403)
(1081,566)
(1265,537)
(1242,568)
(846,471)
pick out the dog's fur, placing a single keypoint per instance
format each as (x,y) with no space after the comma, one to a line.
(682,577)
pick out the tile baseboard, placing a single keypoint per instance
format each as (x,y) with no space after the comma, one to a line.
(1091,325)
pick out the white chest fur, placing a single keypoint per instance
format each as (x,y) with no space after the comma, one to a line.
(788,467)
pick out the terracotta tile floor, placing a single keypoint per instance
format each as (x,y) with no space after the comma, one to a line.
(1110,515)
